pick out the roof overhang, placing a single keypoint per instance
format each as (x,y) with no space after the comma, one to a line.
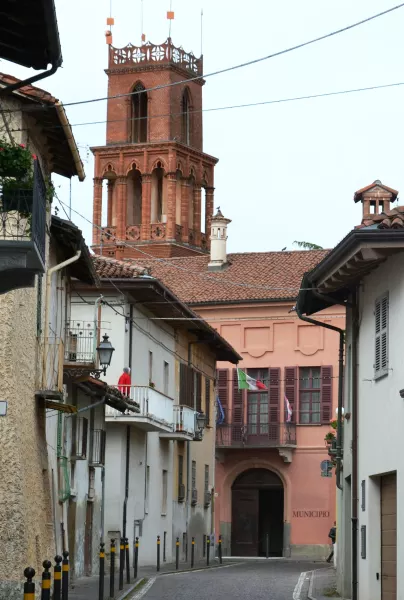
(29,33)
(359,253)
(96,388)
(69,241)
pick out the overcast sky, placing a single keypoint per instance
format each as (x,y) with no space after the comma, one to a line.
(286,171)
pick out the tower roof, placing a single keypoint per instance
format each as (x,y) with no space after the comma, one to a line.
(376,184)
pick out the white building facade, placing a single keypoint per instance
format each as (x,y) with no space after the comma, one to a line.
(364,272)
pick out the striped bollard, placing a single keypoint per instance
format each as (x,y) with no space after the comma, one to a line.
(57,579)
(207,550)
(192,552)
(46,580)
(127,560)
(136,557)
(29,585)
(177,553)
(112,571)
(65,576)
(102,572)
(158,553)
(220,550)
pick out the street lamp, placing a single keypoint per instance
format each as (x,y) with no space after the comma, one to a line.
(105,352)
(200,422)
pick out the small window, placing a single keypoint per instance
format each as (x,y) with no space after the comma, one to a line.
(363,494)
(206,478)
(363,541)
(166,377)
(310,391)
(139,114)
(164,492)
(150,367)
(194,474)
(147,491)
(180,469)
(381,336)
(185,115)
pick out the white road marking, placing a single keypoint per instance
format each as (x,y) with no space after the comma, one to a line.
(299,585)
(203,569)
(144,590)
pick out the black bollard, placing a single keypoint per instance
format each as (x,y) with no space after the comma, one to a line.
(192,552)
(267,545)
(121,562)
(102,572)
(158,553)
(65,576)
(136,557)
(112,571)
(177,553)
(220,550)
(57,578)
(207,550)
(46,580)
(127,560)
(29,585)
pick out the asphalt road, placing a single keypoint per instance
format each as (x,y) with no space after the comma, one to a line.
(272,580)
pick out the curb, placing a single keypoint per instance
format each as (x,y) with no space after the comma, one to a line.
(132,588)
(202,568)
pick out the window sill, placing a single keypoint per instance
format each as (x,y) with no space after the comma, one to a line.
(163,514)
(311,425)
(380,376)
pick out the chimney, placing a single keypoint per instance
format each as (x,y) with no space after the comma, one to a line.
(376,198)
(218,239)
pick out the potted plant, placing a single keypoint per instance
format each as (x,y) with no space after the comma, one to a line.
(15,160)
(151,384)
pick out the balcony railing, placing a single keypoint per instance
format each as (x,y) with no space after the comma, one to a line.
(80,342)
(156,409)
(271,435)
(184,420)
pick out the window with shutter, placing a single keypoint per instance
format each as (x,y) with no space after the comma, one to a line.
(186,385)
(207,401)
(274,392)
(222,379)
(381,336)
(309,395)
(237,416)
(198,392)
(291,390)
(326,394)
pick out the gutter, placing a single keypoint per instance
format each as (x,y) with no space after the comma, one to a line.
(9,89)
(354,417)
(70,140)
(341,333)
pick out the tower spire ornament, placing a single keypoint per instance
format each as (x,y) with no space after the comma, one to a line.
(170,17)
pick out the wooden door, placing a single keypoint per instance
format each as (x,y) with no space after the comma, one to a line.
(244,523)
(388,503)
(257,418)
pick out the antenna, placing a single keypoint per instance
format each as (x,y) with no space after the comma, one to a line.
(142,35)
(170,17)
(110,23)
(201,31)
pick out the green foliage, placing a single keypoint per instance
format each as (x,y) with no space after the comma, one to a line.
(307,245)
(15,160)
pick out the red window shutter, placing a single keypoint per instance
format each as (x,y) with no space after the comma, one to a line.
(237,417)
(274,391)
(291,390)
(222,386)
(326,394)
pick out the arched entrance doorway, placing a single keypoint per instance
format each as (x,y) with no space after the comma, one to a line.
(257,510)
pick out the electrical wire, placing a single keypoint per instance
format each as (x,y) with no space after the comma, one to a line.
(222,281)
(241,65)
(230,107)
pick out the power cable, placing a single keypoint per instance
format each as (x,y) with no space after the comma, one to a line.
(241,65)
(230,107)
(187,270)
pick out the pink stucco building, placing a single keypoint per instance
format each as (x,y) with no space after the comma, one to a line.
(273,480)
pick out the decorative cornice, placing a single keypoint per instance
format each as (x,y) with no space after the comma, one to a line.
(114,149)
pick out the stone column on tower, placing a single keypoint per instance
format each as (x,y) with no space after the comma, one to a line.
(146,205)
(121,197)
(210,192)
(110,201)
(185,210)
(171,205)
(197,215)
(97,210)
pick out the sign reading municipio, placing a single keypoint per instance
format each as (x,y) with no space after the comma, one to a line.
(311,514)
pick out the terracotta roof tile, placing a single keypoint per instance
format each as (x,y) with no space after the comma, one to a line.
(391,219)
(118,269)
(28,90)
(249,276)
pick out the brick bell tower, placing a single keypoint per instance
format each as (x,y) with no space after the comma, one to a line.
(158,179)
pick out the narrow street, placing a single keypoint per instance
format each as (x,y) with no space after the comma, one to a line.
(272,580)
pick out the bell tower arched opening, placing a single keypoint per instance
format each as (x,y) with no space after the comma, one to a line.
(158,195)
(139,114)
(134,198)
(257,514)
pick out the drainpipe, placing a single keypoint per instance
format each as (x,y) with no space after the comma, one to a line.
(125,503)
(97,324)
(340,382)
(49,274)
(354,417)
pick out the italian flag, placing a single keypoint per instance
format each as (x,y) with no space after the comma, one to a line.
(245,382)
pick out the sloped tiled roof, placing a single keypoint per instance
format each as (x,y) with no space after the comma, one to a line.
(249,276)
(118,269)
(391,219)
